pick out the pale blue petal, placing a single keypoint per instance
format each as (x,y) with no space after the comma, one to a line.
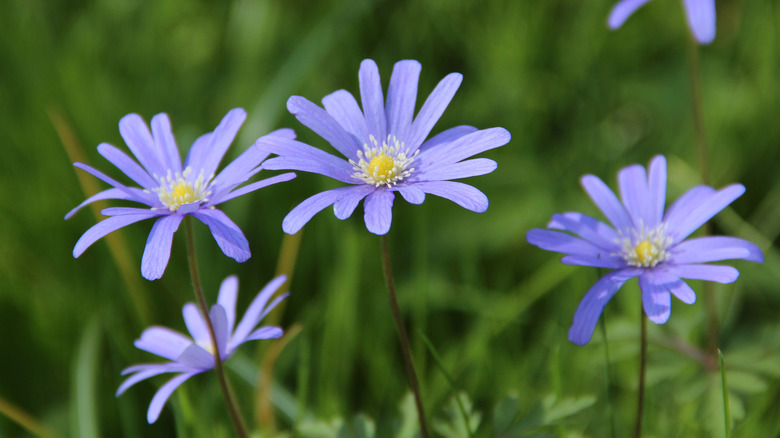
(372,100)
(198,151)
(228,235)
(716,273)
(464,147)
(664,274)
(680,226)
(141,143)
(235,173)
(607,262)
(464,195)
(219,322)
(401,97)
(701,19)
(162,396)
(266,332)
(303,212)
(432,110)
(592,305)
(714,249)
(622,10)
(104,227)
(319,121)
(163,342)
(228,295)
(410,192)
(196,325)
(133,193)
(447,136)
(127,165)
(378,208)
(557,241)
(165,143)
(294,155)
(656,299)
(345,205)
(158,246)
(607,202)
(155,370)
(592,230)
(632,181)
(656,191)
(462,169)
(197,357)
(342,106)
(257,185)
(218,144)
(105,194)
(255,312)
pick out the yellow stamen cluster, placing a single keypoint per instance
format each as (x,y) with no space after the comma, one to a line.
(646,248)
(176,189)
(386,164)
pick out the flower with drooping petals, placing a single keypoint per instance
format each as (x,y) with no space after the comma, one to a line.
(171,191)
(385,148)
(644,242)
(193,355)
(700,15)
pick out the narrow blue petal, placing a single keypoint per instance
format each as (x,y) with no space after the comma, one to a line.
(464,147)
(345,205)
(447,136)
(342,106)
(690,217)
(141,143)
(372,100)
(133,193)
(592,230)
(197,357)
(158,246)
(105,194)
(432,110)
(237,172)
(219,321)
(378,208)
(622,10)
(462,169)
(592,305)
(127,165)
(714,249)
(557,241)
(464,195)
(163,342)
(632,181)
(716,273)
(401,97)
(218,143)
(266,332)
(607,202)
(294,155)
(607,262)
(319,121)
(229,237)
(412,193)
(162,395)
(656,191)
(701,19)
(196,325)
(257,185)
(255,312)
(228,295)
(104,227)
(165,144)
(198,151)
(303,212)
(147,373)
(656,299)
(673,283)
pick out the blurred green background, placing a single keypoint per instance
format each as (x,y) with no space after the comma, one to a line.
(577,98)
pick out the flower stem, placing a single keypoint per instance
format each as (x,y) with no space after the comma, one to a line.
(642,365)
(399,324)
(702,146)
(235,414)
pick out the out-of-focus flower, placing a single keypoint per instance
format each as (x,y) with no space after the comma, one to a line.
(172,191)
(700,15)
(194,355)
(644,242)
(385,148)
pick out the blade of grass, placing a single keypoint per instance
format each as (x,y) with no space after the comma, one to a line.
(25,420)
(265,415)
(726,406)
(84,416)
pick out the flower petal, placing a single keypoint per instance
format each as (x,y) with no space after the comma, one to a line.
(401,97)
(622,11)
(608,262)
(464,195)
(219,321)
(656,191)
(105,194)
(303,212)
(134,194)
(158,246)
(342,106)
(165,144)
(141,143)
(432,110)
(698,210)
(294,155)
(412,193)
(462,148)
(197,357)
(257,185)
(716,273)
(563,243)
(163,342)
(198,151)
(378,208)
(104,227)
(237,172)
(196,325)
(632,181)
(256,311)
(592,230)
(229,237)
(674,284)
(127,165)
(156,369)
(228,295)
(447,136)
(656,299)
(714,249)
(372,100)
(266,332)
(701,19)
(319,121)
(607,202)
(162,395)
(462,169)
(592,305)
(346,203)
(218,143)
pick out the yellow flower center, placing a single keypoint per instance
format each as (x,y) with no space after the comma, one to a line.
(176,189)
(644,252)
(383,165)
(650,249)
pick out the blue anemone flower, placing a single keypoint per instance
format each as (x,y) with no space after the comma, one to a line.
(171,190)
(385,148)
(644,242)
(700,15)
(193,355)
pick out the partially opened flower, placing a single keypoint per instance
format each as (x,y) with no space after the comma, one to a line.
(385,149)
(171,191)
(700,15)
(644,242)
(195,354)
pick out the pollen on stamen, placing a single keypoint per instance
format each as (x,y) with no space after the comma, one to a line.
(383,165)
(176,189)
(646,249)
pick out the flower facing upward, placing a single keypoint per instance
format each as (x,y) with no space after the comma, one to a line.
(385,149)
(171,191)
(644,242)
(700,15)
(191,356)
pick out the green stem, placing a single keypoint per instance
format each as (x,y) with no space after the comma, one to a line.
(235,414)
(399,324)
(608,371)
(642,365)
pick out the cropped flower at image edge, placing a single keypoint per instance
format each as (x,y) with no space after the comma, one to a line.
(385,148)
(700,15)
(195,355)
(171,191)
(644,242)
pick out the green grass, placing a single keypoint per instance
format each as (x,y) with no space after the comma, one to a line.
(577,99)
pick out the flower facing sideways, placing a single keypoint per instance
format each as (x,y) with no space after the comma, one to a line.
(171,190)
(644,242)
(385,148)
(700,15)
(193,355)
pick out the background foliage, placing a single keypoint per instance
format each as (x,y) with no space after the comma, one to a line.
(577,98)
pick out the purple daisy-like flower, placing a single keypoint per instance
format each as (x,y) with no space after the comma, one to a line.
(195,354)
(385,148)
(171,190)
(644,242)
(700,15)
